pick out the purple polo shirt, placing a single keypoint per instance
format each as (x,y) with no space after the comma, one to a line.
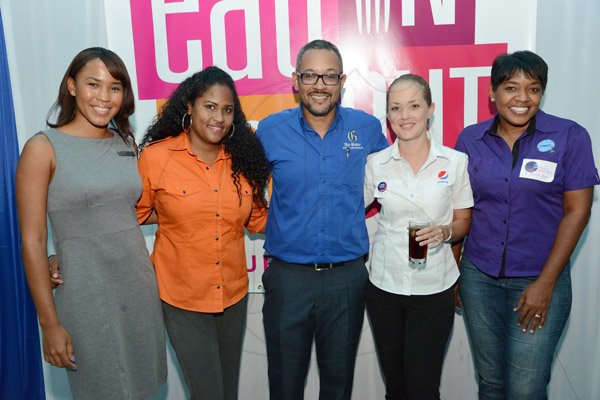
(518,194)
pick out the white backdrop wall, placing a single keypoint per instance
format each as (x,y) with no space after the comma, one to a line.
(568,39)
(43,36)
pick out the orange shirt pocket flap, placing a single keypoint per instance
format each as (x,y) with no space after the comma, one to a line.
(245,190)
(182,188)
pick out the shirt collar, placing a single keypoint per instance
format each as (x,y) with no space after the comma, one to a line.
(435,151)
(182,142)
(305,125)
(539,122)
(179,142)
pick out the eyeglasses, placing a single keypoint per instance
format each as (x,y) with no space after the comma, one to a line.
(309,78)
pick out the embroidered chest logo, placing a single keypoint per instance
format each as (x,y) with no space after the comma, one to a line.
(352,136)
(352,143)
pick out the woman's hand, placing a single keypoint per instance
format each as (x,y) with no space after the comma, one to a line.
(55,275)
(533,305)
(433,235)
(58,348)
(535,299)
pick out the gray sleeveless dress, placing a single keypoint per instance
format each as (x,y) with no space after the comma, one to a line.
(109,301)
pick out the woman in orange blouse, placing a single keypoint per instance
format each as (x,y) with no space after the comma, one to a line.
(204,176)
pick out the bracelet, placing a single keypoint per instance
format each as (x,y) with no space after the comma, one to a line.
(450,234)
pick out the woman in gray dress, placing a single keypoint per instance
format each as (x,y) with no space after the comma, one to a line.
(104,323)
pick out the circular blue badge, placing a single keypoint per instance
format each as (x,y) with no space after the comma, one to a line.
(546,145)
(382,186)
(531,166)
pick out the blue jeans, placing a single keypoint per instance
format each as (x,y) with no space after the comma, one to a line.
(511,364)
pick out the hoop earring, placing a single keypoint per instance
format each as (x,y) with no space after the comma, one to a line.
(183,122)
(232,130)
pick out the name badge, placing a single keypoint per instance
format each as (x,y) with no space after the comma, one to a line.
(538,170)
(124,153)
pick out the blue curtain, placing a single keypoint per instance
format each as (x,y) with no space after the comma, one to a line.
(20,362)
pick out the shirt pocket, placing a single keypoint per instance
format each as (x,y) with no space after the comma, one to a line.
(479,172)
(181,197)
(241,204)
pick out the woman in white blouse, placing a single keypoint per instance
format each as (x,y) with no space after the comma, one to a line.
(411,307)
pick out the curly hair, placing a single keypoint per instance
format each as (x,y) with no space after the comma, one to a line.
(247,155)
(66,105)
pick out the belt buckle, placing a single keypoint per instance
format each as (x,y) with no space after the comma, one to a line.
(322,268)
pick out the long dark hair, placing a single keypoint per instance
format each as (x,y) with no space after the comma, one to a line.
(247,154)
(66,105)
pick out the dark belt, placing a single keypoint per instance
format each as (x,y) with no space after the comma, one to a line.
(326,266)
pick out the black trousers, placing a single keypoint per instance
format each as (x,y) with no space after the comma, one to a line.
(411,333)
(208,348)
(303,306)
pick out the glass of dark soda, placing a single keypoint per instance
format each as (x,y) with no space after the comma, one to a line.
(416,254)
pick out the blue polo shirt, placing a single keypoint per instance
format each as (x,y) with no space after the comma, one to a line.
(518,194)
(316,212)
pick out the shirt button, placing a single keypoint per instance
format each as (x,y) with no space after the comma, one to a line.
(218,286)
(217,238)
(505,179)
(502,243)
(504,222)
(183,191)
(323,158)
(506,201)
(207,168)
(215,190)
(218,262)
(218,215)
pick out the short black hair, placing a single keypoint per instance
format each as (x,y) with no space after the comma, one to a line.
(319,44)
(506,66)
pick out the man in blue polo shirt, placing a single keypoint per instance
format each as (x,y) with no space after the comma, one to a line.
(316,232)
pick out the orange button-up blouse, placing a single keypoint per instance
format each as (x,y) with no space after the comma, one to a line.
(199,253)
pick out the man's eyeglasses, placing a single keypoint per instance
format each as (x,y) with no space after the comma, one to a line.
(309,78)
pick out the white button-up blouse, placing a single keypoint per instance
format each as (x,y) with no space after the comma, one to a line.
(439,187)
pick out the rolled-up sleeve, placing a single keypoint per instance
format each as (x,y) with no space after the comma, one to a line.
(145,204)
(258,218)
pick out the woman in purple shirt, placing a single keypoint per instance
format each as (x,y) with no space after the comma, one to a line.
(532,176)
